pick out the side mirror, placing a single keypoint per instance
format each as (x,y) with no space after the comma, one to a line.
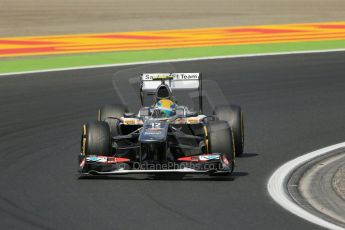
(145,111)
(191,114)
(129,115)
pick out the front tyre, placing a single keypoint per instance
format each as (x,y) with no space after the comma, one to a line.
(220,140)
(96,139)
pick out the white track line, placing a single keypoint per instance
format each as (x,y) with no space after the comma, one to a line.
(172,60)
(277,186)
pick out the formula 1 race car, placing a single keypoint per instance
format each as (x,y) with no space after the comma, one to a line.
(164,137)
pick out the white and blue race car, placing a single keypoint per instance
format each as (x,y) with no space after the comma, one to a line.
(164,136)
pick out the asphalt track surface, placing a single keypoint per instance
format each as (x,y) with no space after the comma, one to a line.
(293,104)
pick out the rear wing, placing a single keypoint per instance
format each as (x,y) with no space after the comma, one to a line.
(149,82)
(175,81)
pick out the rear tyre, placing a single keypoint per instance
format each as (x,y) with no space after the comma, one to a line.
(220,140)
(234,116)
(96,139)
(111,114)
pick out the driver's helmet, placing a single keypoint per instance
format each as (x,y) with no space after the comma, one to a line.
(166,107)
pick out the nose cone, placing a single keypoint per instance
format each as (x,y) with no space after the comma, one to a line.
(154,131)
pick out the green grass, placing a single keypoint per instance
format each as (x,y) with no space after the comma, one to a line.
(64,61)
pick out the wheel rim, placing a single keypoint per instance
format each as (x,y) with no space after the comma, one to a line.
(242,130)
(83,147)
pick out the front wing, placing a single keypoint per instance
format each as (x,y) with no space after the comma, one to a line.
(202,164)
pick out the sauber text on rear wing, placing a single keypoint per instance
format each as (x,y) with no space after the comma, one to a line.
(149,82)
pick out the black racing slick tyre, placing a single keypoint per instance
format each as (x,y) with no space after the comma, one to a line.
(220,140)
(111,115)
(234,116)
(96,139)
